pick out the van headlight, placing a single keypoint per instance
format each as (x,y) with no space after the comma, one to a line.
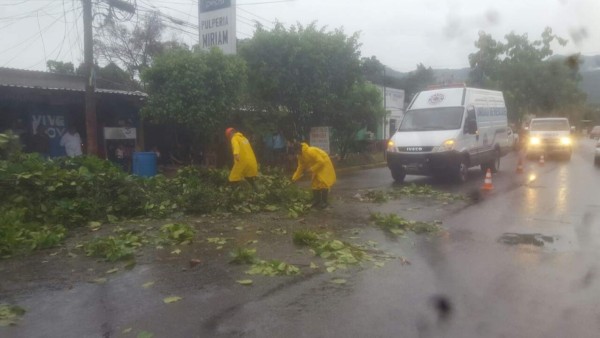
(391,147)
(534,141)
(565,141)
(448,145)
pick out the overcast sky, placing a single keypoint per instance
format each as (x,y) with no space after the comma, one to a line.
(401,33)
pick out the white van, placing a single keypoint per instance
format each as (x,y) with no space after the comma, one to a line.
(446,131)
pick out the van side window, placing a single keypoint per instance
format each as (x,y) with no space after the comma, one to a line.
(471,121)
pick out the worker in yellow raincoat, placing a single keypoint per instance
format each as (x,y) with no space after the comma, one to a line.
(323,174)
(244,161)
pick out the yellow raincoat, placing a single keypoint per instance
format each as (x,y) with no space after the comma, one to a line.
(319,163)
(246,165)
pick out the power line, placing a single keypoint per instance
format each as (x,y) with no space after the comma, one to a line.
(78,39)
(42,37)
(31,39)
(29,14)
(258,16)
(65,31)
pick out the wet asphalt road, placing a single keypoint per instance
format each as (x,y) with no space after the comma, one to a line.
(522,262)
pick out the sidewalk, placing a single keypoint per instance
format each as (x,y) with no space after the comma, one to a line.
(360,162)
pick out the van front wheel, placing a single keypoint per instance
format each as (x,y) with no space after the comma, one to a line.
(493,165)
(398,175)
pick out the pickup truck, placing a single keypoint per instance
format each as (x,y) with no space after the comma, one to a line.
(549,136)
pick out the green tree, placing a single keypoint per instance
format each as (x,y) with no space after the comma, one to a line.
(132,47)
(417,81)
(195,91)
(376,72)
(60,67)
(362,107)
(110,76)
(299,74)
(532,81)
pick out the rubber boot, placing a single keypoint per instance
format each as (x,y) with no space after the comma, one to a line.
(324,199)
(316,199)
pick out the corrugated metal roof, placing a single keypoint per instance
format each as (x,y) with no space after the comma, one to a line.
(98,90)
(30,79)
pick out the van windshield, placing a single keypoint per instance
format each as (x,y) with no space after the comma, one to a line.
(432,119)
(549,125)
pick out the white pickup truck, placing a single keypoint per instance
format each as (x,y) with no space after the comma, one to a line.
(549,136)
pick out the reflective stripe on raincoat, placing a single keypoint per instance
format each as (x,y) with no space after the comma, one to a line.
(246,166)
(319,163)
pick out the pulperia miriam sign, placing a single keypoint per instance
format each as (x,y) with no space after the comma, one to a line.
(217,25)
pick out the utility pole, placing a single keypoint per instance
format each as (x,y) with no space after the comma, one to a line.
(384,106)
(90,97)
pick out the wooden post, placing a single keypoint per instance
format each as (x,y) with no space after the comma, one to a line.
(90,98)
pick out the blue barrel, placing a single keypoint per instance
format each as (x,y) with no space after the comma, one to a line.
(144,164)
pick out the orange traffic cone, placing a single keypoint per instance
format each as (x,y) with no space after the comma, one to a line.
(520,166)
(487,183)
(542,162)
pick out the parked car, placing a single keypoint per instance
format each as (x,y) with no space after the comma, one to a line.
(595,133)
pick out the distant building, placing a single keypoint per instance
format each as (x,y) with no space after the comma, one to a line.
(32,99)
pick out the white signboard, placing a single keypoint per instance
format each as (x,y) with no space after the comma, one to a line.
(319,137)
(116,133)
(217,25)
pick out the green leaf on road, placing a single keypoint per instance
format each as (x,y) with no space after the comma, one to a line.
(147,285)
(112,270)
(338,281)
(313,265)
(94,226)
(127,330)
(172,299)
(379,264)
(336,245)
(145,334)
(176,252)
(245,281)
(101,280)
(10,314)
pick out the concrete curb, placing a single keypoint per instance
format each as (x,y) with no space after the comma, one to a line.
(360,167)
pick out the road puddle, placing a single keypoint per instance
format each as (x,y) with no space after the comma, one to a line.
(510,238)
